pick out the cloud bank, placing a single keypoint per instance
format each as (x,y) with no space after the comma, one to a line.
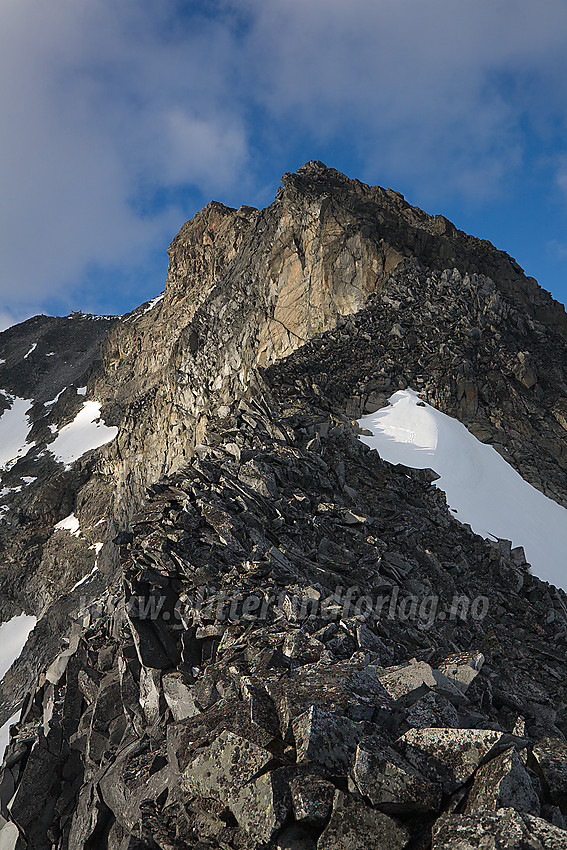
(120,119)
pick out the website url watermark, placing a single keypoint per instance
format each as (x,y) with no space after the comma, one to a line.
(207,607)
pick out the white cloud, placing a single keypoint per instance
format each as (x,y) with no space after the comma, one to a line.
(105,103)
(87,91)
(438,88)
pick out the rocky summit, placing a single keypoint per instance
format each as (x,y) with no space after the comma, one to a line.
(250,630)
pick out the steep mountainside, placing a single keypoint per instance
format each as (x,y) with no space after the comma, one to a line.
(286,641)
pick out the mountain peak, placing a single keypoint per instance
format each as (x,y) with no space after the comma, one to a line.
(252,630)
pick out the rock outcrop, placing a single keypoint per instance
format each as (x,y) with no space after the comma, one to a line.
(286,642)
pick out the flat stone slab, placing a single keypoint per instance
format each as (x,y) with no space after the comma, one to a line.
(451,756)
(407,683)
(228,764)
(462,668)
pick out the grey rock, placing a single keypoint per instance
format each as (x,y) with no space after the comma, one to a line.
(391,783)
(409,682)
(503,830)
(227,764)
(354,825)
(451,756)
(178,697)
(312,798)
(262,806)
(550,756)
(327,739)
(462,668)
(503,783)
(432,710)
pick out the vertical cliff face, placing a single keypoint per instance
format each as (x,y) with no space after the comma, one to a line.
(247,287)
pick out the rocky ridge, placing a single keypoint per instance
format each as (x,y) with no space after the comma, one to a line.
(307,651)
(268,493)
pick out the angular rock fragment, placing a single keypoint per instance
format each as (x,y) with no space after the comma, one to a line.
(391,783)
(312,798)
(432,710)
(505,829)
(328,739)
(302,648)
(262,805)
(503,783)
(462,668)
(226,765)
(178,696)
(354,826)
(550,756)
(451,756)
(409,682)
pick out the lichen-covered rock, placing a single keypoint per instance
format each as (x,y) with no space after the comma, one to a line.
(504,830)
(391,783)
(432,710)
(462,668)
(327,739)
(550,755)
(223,767)
(354,825)
(450,756)
(503,783)
(312,798)
(262,805)
(409,682)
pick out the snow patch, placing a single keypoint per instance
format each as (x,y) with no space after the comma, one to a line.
(31,351)
(6,490)
(70,524)
(85,578)
(5,739)
(81,390)
(13,636)
(153,303)
(149,306)
(87,431)
(14,429)
(482,489)
(54,400)
(28,479)
(50,354)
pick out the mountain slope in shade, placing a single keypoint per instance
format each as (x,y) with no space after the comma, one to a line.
(482,489)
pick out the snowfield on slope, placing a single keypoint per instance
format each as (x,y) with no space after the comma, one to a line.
(86,431)
(13,636)
(14,429)
(482,489)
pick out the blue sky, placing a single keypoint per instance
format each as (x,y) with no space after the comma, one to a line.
(121,120)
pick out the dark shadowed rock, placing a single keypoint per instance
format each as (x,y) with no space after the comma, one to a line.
(391,783)
(503,783)
(354,825)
